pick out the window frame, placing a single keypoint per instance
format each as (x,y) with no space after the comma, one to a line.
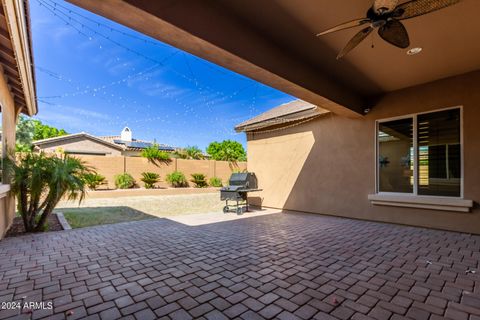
(414,117)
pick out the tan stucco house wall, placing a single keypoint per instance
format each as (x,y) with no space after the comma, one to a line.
(328,165)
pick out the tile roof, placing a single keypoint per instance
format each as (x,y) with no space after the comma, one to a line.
(285,113)
(77,135)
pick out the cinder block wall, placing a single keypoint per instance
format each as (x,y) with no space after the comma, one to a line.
(111,166)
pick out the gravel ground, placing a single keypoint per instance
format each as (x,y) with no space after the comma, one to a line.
(160,206)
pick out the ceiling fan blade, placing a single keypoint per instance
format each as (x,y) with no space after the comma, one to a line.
(346,25)
(355,41)
(384,6)
(417,8)
(394,33)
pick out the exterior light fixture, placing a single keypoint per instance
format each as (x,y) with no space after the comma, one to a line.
(414,51)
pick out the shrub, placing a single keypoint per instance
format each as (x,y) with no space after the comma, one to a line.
(39,181)
(215,182)
(155,156)
(190,152)
(199,180)
(124,181)
(93,180)
(177,179)
(149,179)
(227,150)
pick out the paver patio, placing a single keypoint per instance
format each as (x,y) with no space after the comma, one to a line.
(283,266)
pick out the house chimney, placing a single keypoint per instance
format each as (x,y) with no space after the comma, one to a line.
(126,134)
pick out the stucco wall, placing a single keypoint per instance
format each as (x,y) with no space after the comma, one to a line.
(112,166)
(9,119)
(328,165)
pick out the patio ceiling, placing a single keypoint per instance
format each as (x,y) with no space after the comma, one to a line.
(274,42)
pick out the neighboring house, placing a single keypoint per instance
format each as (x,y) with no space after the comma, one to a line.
(79,143)
(86,144)
(133,147)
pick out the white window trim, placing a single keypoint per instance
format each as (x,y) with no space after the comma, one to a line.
(414,200)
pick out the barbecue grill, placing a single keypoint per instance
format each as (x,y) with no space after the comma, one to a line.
(237,191)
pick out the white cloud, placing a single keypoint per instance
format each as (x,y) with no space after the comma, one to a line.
(72,118)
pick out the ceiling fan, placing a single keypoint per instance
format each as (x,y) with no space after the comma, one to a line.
(385,15)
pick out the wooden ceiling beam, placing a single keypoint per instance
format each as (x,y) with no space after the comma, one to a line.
(6,50)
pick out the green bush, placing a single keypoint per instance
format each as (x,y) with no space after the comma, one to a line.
(149,179)
(190,152)
(199,180)
(227,150)
(40,181)
(177,179)
(124,181)
(215,182)
(93,180)
(155,156)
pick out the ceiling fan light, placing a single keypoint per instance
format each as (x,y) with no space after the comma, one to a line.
(414,51)
(382,6)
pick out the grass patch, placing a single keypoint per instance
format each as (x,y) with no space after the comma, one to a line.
(86,217)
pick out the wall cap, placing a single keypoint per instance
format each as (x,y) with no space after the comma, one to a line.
(422,202)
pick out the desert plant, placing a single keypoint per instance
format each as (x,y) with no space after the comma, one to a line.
(180,154)
(93,180)
(39,181)
(149,179)
(155,155)
(199,180)
(124,181)
(190,152)
(177,179)
(215,182)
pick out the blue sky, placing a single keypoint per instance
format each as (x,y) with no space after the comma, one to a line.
(97,76)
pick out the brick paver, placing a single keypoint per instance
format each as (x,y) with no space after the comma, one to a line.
(283,266)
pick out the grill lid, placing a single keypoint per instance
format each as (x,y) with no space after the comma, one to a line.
(232,188)
(245,179)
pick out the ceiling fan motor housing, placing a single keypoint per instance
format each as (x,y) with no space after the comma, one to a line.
(382,6)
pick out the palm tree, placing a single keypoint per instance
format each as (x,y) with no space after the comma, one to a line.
(190,152)
(194,152)
(40,182)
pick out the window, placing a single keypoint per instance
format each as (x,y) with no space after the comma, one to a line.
(420,154)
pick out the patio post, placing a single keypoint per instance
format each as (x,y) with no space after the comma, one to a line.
(9,120)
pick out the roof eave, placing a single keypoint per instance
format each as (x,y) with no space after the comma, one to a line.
(19,27)
(77,135)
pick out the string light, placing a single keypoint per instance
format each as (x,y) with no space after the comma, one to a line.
(142,39)
(100,91)
(54,9)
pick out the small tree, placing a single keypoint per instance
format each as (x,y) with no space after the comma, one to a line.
(155,155)
(227,150)
(94,180)
(199,180)
(149,179)
(25,132)
(40,182)
(177,179)
(124,181)
(29,130)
